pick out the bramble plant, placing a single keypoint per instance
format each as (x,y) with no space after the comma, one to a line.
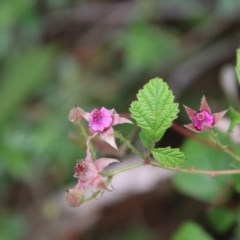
(153,112)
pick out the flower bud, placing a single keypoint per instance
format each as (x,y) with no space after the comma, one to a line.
(74,197)
(75,115)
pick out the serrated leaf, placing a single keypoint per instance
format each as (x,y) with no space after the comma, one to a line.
(234,117)
(146,141)
(169,157)
(154,110)
(238,65)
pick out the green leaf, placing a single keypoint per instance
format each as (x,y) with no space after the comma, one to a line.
(227,219)
(190,231)
(147,142)
(238,65)
(169,157)
(154,110)
(234,117)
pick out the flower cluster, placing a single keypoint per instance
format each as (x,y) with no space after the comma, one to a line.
(100,122)
(88,171)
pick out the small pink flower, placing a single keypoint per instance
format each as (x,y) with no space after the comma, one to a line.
(74,197)
(203,119)
(101,121)
(88,172)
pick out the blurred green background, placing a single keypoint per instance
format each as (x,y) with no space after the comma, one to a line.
(58,53)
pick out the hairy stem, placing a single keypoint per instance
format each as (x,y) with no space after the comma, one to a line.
(223,147)
(83,131)
(123,169)
(211,173)
(129,144)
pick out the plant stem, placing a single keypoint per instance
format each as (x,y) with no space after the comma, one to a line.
(224,148)
(129,144)
(210,173)
(93,196)
(123,169)
(83,131)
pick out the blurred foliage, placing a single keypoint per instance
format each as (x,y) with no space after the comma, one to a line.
(142,53)
(191,230)
(238,66)
(12,227)
(234,116)
(227,219)
(206,158)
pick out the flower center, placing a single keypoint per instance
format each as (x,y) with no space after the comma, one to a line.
(100,120)
(200,116)
(203,118)
(97,115)
(80,169)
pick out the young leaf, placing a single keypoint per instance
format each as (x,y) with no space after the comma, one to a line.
(154,110)
(238,65)
(146,141)
(169,157)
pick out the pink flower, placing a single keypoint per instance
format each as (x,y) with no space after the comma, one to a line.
(74,197)
(88,172)
(101,121)
(203,119)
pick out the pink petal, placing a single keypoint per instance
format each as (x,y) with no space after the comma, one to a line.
(98,183)
(218,116)
(190,112)
(191,127)
(202,118)
(204,105)
(101,163)
(81,185)
(120,120)
(108,136)
(206,127)
(86,116)
(87,169)
(100,119)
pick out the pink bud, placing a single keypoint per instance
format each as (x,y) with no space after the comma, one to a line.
(75,115)
(74,197)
